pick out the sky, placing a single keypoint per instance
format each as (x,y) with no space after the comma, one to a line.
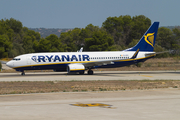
(80,13)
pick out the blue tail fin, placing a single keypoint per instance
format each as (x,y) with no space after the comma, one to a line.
(147,42)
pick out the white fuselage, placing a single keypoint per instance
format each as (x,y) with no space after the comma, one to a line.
(64,58)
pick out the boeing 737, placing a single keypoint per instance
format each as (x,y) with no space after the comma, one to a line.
(81,61)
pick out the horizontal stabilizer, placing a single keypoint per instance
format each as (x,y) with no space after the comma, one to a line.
(155,53)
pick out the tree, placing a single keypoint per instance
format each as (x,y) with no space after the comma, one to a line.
(16,39)
(100,41)
(114,26)
(176,38)
(55,42)
(164,38)
(30,37)
(133,43)
(5,46)
(44,45)
(28,44)
(158,48)
(16,50)
(16,25)
(71,39)
(124,28)
(139,26)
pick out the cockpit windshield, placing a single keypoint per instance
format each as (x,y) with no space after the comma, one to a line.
(16,59)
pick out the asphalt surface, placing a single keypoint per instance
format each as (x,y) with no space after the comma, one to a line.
(98,75)
(157,104)
(162,104)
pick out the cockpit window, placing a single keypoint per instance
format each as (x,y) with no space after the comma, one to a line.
(17,59)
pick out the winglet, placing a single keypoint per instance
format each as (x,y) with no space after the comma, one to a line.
(80,49)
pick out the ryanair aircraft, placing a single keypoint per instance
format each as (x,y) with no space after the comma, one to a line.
(81,61)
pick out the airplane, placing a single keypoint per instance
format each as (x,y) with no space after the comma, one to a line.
(80,49)
(81,61)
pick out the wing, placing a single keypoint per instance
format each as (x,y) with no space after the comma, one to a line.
(106,62)
(99,63)
(3,62)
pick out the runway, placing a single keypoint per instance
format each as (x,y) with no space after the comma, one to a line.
(98,75)
(157,104)
(162,104)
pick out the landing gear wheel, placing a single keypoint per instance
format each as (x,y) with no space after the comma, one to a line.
(90,72)
(81,72)
(23,73)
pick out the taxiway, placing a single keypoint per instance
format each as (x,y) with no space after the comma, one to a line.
(98,75)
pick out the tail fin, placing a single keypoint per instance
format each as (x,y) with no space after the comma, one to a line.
(147,42)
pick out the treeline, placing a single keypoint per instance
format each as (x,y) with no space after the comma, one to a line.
(44,32)
(116,33)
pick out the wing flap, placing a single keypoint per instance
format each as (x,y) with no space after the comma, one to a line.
(98,63)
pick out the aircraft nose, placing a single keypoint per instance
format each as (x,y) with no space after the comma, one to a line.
(9,64)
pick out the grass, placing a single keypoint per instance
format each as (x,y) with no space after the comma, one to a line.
(83,86)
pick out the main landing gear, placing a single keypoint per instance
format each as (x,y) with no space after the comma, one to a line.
(90,72)
(23,73)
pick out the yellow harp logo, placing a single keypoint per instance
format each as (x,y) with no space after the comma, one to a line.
(149,38)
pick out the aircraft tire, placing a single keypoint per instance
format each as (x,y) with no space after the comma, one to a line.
(23,73)
(90,72)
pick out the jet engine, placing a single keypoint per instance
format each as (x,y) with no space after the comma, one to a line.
(75,68)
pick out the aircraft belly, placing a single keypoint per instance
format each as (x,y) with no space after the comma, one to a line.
(43,67)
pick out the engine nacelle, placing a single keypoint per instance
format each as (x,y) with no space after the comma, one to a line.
(75,68)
